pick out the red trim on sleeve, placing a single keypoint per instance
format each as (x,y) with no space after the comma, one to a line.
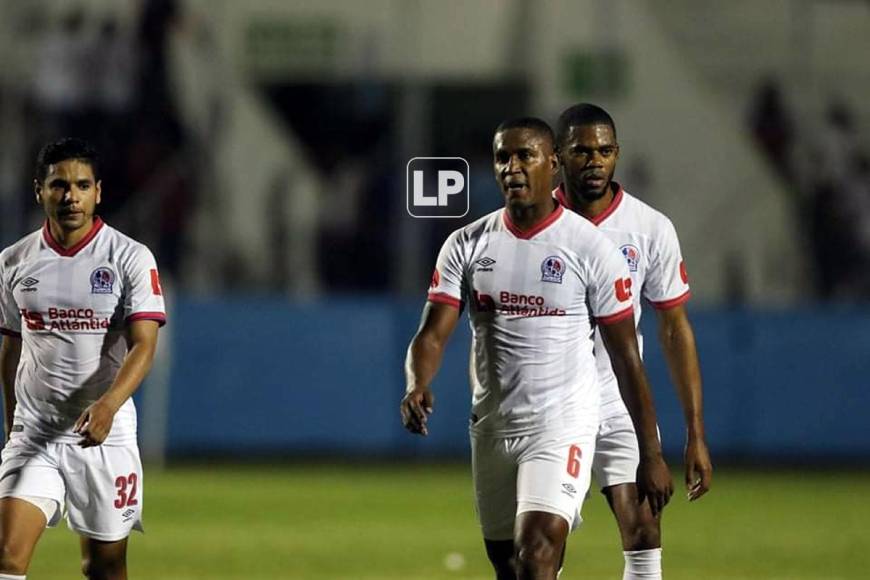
(72,251)
(441,298)
(8,332)
(613,318)
(537,228)
(673,302)
(159,317)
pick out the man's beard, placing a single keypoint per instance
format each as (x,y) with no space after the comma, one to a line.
(590,195)
(521,203)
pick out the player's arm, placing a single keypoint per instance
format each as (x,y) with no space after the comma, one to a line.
(678,345)
(653,476)
(95,422)
(422,362)
(10,354)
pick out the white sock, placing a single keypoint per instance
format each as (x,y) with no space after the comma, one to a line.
(12,577)
(643,565)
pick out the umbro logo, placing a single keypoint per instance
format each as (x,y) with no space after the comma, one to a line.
(569,489)
(485,264)
(29,284)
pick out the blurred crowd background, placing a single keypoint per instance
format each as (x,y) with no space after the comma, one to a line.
(259,148)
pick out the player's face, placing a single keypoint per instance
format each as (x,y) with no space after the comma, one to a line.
(588,155)
(524,164)
(69,194)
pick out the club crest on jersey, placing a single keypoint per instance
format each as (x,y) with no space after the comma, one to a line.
(552,269)
(102,280)
(632,256)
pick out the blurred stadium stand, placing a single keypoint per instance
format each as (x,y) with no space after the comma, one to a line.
(259,148)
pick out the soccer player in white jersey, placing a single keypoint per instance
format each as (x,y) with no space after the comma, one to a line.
(80,305)
(588,151)
(536,280)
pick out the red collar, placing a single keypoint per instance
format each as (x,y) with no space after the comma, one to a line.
(538,228)
(561,195)
(72,251)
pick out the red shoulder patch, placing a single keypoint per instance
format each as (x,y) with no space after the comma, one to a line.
(623,289)
(155,283)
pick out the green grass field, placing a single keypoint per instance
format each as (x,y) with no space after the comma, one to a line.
(376,522)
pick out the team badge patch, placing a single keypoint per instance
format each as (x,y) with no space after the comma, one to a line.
(632,256)
(552,269)
(102,280)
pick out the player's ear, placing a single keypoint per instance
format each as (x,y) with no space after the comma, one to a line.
(37,191)
(554,162)
(98,189)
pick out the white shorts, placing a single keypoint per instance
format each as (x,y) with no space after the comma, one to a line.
(546,472)
(100,486)
(616,452)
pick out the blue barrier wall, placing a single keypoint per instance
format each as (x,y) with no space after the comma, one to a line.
(263,377)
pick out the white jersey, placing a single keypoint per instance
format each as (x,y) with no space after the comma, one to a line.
(70,308)
(648,241)
(534,298)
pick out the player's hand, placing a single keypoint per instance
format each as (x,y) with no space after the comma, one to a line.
(654,483)
(699,469)
(416,407)
(94,424)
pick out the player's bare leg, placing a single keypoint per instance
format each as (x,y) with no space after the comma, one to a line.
(21,525)
(639,529)
(104,560)
(539,542)
(502,555)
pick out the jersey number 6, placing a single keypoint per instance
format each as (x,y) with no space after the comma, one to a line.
(574,454)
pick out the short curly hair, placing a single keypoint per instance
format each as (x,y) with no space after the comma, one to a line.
(581,115)
(532,123)
(63,149)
